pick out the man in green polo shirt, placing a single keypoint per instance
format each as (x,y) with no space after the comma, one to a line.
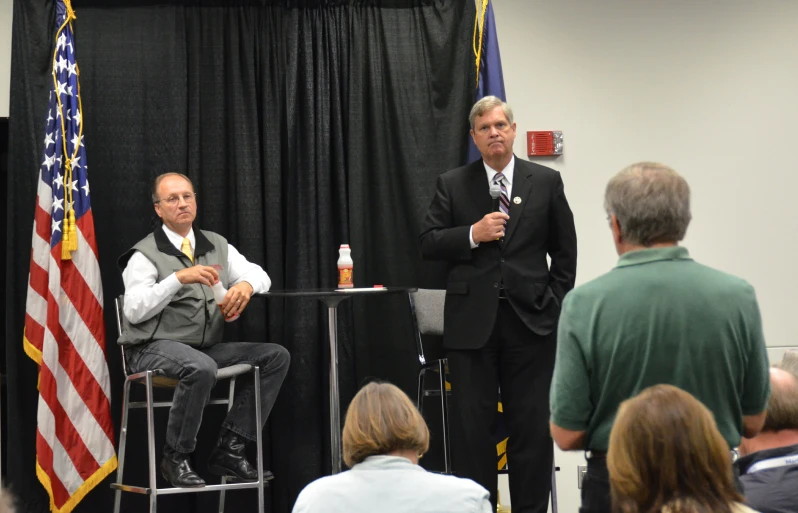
(658,317)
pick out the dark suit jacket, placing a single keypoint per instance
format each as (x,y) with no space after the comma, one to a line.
(541,223)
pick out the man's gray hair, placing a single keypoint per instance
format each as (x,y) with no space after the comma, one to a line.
(782,410)
(789,362)
(651,202)
(486,104)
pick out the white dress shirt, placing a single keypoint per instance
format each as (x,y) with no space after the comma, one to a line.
(392,484)
(145,297)
(508,171)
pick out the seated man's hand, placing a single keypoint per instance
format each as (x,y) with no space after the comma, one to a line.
(490,227)
(236,299)
(203,274)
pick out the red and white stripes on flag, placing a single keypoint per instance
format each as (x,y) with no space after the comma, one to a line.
(64,325)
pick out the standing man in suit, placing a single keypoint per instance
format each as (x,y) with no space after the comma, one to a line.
(502,302)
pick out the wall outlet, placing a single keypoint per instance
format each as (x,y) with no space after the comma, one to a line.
(581,470)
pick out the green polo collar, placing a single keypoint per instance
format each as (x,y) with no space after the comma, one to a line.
(646,256)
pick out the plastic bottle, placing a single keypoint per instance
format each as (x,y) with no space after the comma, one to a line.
(345,267)
(218,295)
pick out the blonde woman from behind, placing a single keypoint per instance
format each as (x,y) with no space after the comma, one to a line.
(384,436)
(666,455)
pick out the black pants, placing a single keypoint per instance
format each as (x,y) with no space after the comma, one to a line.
(522,363)
(596,487)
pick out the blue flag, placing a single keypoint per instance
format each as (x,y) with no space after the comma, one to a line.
(490,81)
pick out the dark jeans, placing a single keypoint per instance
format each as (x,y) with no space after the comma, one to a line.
(596,487)
(196,370)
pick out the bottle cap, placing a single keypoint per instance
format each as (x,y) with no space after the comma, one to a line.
(379,287)
(344,245)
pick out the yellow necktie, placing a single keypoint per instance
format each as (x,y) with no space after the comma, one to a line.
(186,249)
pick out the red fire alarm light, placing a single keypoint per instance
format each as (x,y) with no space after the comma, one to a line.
(544,143)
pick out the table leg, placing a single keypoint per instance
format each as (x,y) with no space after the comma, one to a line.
(335,402)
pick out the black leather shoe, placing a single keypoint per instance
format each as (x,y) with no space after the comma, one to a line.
(176,469)
(229,459)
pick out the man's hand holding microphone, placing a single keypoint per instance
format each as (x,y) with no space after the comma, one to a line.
(491,227)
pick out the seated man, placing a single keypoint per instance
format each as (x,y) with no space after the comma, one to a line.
(769,462)
(172,323)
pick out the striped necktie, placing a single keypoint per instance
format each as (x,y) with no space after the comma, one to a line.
(186,249)
(504,202)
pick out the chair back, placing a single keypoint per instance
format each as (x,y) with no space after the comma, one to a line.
(426,306)
(119,302)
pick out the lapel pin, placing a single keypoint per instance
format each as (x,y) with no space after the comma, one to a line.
(517,200)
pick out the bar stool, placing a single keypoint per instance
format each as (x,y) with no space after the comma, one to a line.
(156,378)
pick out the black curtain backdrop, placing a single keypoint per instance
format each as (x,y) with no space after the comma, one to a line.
(304,125)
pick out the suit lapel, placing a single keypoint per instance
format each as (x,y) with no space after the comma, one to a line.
(522,188)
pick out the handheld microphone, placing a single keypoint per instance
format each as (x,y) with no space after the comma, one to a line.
(496,194)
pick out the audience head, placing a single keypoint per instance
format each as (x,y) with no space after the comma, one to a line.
(6,501)
(666,454)
(782,410)
(648,204)
(789,362)
(380,420)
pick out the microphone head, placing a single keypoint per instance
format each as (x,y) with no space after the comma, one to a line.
(495,191)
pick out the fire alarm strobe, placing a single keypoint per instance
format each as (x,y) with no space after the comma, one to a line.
(547,142)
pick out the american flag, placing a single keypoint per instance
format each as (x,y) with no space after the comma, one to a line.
(64,328)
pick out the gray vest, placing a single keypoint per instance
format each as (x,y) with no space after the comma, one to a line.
(192,316)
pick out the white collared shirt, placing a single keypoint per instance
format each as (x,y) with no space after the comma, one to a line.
(145,297)
(508,172)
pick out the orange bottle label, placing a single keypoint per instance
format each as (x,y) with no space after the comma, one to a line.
(345,277)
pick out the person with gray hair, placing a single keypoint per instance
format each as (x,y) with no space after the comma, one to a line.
(502,302)
(789,361)
(768,465)
(659,317)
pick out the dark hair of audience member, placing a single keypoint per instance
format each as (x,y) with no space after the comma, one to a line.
(381,419)
(667,455)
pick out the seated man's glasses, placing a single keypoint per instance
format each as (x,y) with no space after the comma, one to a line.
(175,199)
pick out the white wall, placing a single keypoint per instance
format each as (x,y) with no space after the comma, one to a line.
(5,55)
(709,88)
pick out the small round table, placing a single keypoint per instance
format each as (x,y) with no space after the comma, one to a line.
(332,298)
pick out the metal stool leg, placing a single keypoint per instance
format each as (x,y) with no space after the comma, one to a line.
(259,439)
(120,468)
(444,416)
(230,396)
(151,445)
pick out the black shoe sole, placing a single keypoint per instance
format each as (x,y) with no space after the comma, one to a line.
(220,471)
